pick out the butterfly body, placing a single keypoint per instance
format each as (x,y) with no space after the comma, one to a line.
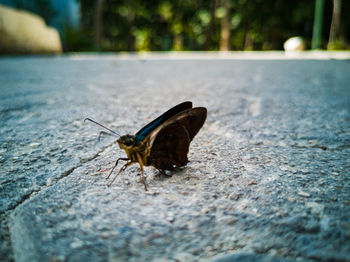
(164,142)
(134,149)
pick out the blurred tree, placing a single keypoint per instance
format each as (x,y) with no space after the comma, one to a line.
(130,22)
(225,26)
(176,24)
(318,20)
(135,25)
(98,23)
(334,34)
(210,29)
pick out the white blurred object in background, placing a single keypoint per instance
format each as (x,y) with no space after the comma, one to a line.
(294,44)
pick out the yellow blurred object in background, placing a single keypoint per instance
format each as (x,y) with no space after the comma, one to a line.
(23,32)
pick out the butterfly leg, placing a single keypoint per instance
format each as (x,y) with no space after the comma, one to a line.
(121,170)
(103,133)
(143,174)
(116,163)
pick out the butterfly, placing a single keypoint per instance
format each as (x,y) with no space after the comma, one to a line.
(163,143)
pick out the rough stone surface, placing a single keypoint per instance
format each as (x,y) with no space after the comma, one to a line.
(268,177)
(24,32)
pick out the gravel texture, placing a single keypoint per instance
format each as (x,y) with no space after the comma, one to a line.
(268,177)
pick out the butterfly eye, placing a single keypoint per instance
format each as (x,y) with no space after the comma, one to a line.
(128,142)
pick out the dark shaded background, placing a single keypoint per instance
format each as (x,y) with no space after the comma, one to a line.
(163,25)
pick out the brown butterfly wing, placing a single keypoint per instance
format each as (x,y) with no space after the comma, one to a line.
(193,119)
(170,147)
(171,140)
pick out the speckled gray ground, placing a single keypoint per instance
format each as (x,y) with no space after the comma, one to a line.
(268,177)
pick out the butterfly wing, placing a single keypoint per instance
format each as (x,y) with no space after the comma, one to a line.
(170,147)
(170,141)
(146,130)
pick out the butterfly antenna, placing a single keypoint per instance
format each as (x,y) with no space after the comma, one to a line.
(110,130)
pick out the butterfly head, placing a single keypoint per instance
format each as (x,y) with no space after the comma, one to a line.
(127,142)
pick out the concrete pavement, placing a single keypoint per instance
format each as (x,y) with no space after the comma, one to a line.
(268,176)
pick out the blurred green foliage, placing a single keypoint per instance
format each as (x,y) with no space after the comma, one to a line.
(77,40)
(164,25)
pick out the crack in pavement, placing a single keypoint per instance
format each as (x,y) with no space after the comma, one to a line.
(6,251)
